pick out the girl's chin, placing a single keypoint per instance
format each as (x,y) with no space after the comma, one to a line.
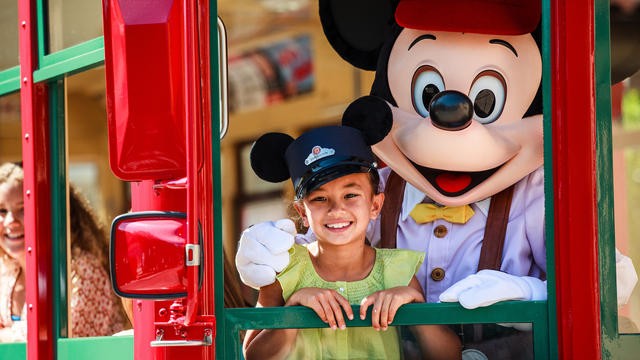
(14,250)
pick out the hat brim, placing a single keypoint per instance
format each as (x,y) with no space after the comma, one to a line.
(329,173)
(499,17)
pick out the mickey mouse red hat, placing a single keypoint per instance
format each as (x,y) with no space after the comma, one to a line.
(500,17)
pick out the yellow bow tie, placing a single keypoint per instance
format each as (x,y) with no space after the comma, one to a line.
(424,213)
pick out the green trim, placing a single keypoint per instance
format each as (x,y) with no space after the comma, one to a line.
(57,152)
(411,314)
(10,80)
(71,60)
(606,234)
(96,348)
(221,328)
(547,106)
(13,351)
(614,345)
(42,30)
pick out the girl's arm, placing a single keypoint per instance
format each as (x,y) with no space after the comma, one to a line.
(269,343)
(437,342)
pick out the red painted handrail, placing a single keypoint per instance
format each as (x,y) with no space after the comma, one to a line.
(574,168)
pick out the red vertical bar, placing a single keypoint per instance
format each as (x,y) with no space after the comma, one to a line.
(192,118)
(574,167)
(37,193)
(205,192)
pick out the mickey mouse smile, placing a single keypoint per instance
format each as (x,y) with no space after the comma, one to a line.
(454,183)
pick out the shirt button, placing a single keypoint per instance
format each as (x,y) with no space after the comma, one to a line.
(437,274)
(440,231)
(341,289)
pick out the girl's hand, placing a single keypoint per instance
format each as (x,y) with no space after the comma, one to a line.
(326,303)
(386,303)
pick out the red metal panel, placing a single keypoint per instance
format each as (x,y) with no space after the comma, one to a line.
(151,141)
(574,167)
(37,194)
(144,43)
(147,195)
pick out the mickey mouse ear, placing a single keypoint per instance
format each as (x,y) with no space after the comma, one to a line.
(371,115)
(267,157)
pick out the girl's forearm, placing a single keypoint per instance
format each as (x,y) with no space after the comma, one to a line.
(437,342)
(271,344)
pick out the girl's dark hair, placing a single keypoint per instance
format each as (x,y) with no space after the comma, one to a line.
(87,233)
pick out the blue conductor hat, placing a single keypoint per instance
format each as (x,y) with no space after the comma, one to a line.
(315,158)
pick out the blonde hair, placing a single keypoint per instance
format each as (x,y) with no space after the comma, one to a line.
(11,172)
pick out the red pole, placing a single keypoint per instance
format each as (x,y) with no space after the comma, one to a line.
(41,342)
(193,122)
(574,167)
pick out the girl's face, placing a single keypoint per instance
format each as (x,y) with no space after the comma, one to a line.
(339,211)
(12,219)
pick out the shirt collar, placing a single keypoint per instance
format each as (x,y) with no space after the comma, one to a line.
(413,196)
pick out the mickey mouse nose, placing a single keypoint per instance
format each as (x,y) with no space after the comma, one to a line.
(451,110)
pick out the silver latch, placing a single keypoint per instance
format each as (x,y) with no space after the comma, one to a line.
(192,253)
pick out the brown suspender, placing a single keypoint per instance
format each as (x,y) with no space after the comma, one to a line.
(495,230)
(390,213)
(494,233)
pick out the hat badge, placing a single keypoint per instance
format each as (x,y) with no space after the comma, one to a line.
(317,153)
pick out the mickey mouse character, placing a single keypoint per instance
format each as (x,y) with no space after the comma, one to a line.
(455,113)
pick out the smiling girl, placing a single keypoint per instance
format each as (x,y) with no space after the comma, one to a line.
(12,256)
(336,184)
(93,307)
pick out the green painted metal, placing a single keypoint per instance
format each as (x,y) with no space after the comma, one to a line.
(238,319)
(221,328)
(10,80)
(57,151)
(71,60)
(552,330)
(13,351)
(96,348)
(614,345)
(42,30)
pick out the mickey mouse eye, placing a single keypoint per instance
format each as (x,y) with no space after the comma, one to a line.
(488,94)
(426,83)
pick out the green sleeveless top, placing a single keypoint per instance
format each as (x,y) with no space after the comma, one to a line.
(392,267)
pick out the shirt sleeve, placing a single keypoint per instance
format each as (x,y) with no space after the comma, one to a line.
(400,266)
(290,276)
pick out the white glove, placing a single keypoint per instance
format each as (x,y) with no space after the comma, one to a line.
(626,277)
(488,287)
(263,251)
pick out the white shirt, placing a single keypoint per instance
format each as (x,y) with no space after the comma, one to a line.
(458,252)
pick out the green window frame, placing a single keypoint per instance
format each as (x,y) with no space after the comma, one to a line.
(614,344)
(542,314)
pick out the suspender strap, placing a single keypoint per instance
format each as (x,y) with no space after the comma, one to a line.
(494,233)
(495,230)
(390,213)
